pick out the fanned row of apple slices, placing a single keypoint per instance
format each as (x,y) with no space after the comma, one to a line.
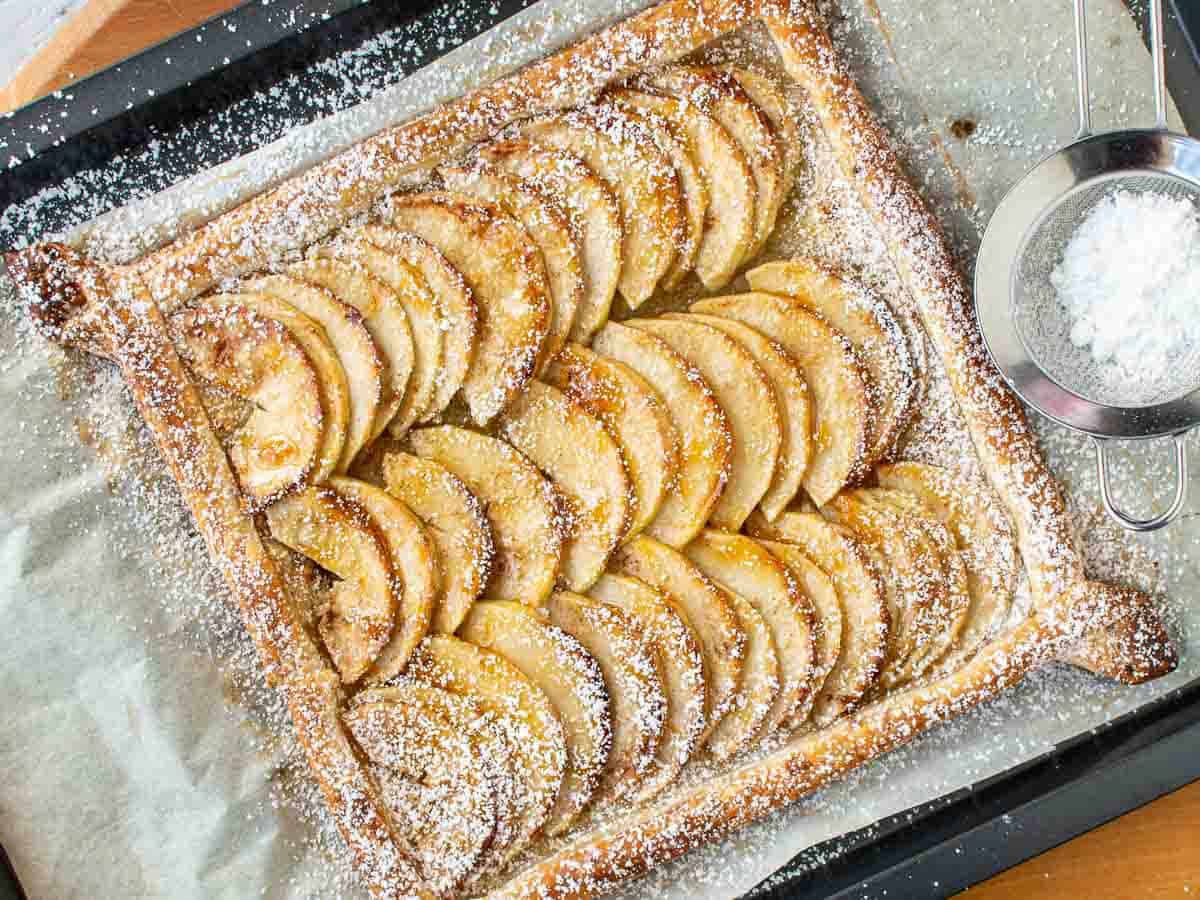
(528,718)
(474,289)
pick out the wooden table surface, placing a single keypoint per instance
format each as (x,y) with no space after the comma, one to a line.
(1153,852)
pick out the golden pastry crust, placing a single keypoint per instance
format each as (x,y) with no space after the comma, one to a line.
(106,311)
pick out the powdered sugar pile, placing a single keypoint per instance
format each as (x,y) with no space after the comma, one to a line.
(1129,280)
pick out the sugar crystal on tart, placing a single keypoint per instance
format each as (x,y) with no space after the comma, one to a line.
(557,588)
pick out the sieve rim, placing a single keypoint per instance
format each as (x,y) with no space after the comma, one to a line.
(1102,156)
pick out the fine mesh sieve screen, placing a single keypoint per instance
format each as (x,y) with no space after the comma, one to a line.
(1042,321)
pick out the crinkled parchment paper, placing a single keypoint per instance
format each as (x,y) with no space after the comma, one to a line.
(140,753)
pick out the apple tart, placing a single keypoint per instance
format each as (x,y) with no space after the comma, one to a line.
(577,525)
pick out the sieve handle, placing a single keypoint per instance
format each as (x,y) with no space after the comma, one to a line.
(1158,59)
(1124,519)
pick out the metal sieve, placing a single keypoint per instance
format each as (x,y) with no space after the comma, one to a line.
(1025,327)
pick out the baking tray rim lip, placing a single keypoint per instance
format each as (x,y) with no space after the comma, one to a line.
(1148,712)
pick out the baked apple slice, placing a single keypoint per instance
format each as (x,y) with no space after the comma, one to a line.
(680,662)
(590,206)
(432,770)
(519,502)
(859,586)
(717,93)
(635,686)
(275,440)
(705,438)
(871,326)
(331,377)
(913,579)
(384,317)
(572,679)
(982,533)
(672,141)
(585,464)
(415,564)
(634,415)
(359,614)
(758,691)
(742,566)
(729,222)
(507,277)
(767,95)
(843,396)
(423,310)
(745,394)
(520,710)
(618,149)
(550,230)
(827,610)
(793,400)
(455,520)
(497,758)
(708,611)
(356,351)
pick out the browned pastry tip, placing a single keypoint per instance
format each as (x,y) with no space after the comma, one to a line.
(63,287)
(1123,636)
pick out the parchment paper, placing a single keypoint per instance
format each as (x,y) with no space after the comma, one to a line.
(140,754)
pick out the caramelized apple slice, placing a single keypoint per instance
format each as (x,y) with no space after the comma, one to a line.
(455,520)
(384,317)
(679,660)
(706,441)
(592,209)
(519,502)
(507,277)
(414,561)
(570,677)
(586,466)
(276,445)
(340,537)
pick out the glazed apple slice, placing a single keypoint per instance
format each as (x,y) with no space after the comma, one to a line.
(415,564)
(585,465)
(519,502)
(708,611)
(423,310)
(572,679)
(680,661)
(618,150)
(507,277)
(633,413)
(843,395)
(519,708)
(355,349)
(982,533)
(860,589)
(340,536)
(550,229)
(729,222)
(793,400)
(592,209)
(384,318)
(455,520)
(634,683)
(717,93)
(745,394)
(429,765)
(869,323)
(672,141)
(743,567)
(827,610)
(769,97)
(705,438)
(275,445)
(331,377)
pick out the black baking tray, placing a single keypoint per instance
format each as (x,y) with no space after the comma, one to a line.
(266,60)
